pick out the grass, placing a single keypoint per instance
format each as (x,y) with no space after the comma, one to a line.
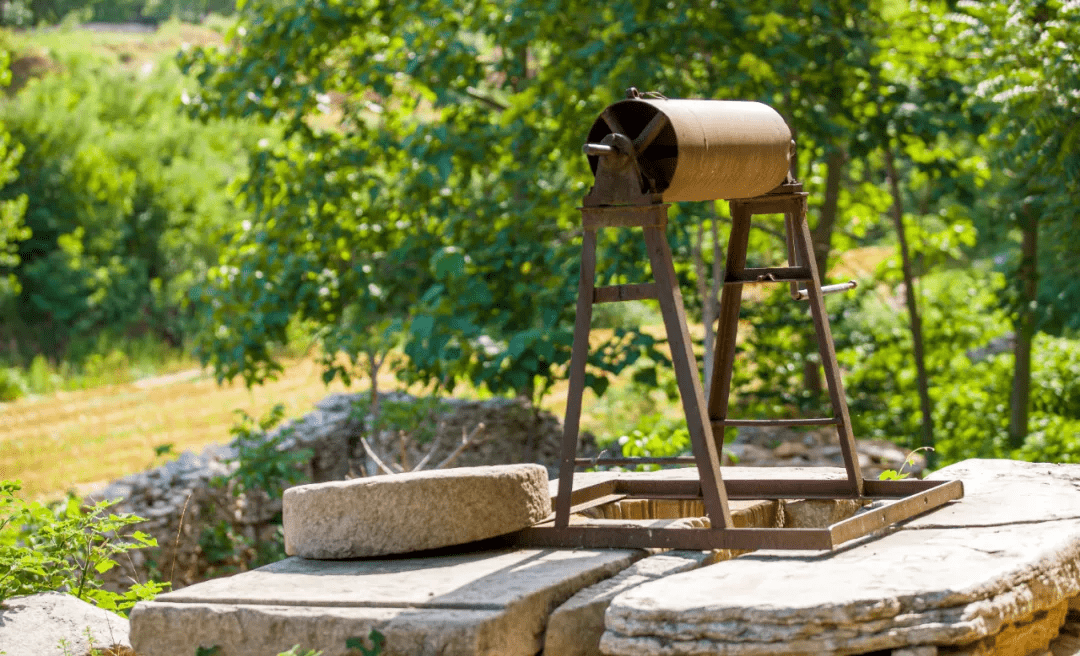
(82,439)
(129,50)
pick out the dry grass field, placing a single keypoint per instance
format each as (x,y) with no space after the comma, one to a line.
(78,440)
(82,440)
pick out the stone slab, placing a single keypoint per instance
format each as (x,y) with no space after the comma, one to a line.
(956,576)
(403,513)
(493,603)
(575,628)
(56,624)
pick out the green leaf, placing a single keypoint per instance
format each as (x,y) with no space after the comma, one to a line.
(104,566)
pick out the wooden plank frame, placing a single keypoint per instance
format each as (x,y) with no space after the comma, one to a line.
(706,421)
(907,499)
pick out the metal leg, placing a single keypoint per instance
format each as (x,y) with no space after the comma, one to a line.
(688,378)
(804,249)
(728,325)
(579,355)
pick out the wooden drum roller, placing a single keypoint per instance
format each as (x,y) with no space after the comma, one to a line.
(689,150)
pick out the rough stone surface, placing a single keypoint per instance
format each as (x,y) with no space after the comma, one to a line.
(576,626)
(402,513)
(490,603)
(1067,642)
(55,624)
(955,577)
(1028,636)
(818,513)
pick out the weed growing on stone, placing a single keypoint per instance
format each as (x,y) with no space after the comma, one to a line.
(417,417)
(65,547)
(898,475)
(377,639)
(262,462)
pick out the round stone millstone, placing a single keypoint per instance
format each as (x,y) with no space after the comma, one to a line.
(401,513)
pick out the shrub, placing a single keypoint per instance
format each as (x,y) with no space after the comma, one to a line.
(12,384)
(64,548)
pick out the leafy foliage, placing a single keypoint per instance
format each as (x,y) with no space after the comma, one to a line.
(125,201)
(444,164)
(378,640)
(1023,59)
(970,380)
(66,548)
(263,464)
(655,437)
(24,13)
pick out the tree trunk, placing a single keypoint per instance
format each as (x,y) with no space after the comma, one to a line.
(923,380)
(1025,332)
(822,232)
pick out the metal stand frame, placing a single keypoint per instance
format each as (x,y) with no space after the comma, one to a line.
(706,423)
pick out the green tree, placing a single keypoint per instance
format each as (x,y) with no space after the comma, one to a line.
(1023,58)
(125,200)
(12,225)
(431,164)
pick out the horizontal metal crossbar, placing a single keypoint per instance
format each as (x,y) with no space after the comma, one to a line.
(808,421)
(624,216)
(747,489)
(803,295)
(618,462)
(616,293)
(768,274)
(650,537)
(911,498)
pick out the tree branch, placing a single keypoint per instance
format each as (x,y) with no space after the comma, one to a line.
(376,459)
(490,102)
(466,442)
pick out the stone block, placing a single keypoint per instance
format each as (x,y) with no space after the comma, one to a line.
(477,604)
(1029,635)
(403,513)
(56,624)
(576,626)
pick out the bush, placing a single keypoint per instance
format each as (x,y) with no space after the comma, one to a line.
(65,548)
(970,390)
(127,204)
(12,384)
